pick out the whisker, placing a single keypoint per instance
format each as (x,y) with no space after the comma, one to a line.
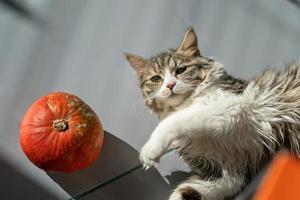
(190,86)
(139,105)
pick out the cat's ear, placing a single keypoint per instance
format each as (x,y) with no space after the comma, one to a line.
(189,44)
(138,63)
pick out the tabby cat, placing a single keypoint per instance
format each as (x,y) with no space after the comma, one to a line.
(225,128)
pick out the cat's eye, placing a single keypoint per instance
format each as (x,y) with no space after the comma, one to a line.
(204,65)
(180,70)
(155,79)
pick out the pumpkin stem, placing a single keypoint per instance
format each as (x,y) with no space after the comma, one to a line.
(60,125)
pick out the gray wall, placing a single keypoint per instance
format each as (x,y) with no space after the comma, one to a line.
(80,49)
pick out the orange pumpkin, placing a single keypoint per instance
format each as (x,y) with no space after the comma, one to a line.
(61,133)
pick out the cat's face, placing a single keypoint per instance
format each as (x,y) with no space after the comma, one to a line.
(169,78)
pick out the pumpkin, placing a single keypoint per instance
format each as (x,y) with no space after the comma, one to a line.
(61,133)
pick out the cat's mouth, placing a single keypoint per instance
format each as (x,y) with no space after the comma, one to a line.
(174,99)
(172,94)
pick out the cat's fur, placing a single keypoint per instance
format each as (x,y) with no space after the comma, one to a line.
(224,128)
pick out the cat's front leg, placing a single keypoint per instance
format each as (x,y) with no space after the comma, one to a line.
(159,142)
(174,127)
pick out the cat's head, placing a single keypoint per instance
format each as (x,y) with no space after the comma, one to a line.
(168,79)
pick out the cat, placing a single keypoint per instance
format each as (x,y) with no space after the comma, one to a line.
(223,127)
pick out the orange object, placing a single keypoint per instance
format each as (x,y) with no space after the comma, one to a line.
(282,180)
(59,132)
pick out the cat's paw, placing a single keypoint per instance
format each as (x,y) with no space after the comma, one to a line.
(185,193)
(151,153)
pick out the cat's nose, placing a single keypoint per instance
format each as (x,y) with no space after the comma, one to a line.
(171,85)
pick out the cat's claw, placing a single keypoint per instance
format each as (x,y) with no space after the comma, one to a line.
(151,153)
(146,167)
(147,163)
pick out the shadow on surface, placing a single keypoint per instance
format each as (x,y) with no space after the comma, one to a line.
(116,157)
(15,186)
(177,177)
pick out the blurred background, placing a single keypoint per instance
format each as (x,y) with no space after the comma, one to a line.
(77,46)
